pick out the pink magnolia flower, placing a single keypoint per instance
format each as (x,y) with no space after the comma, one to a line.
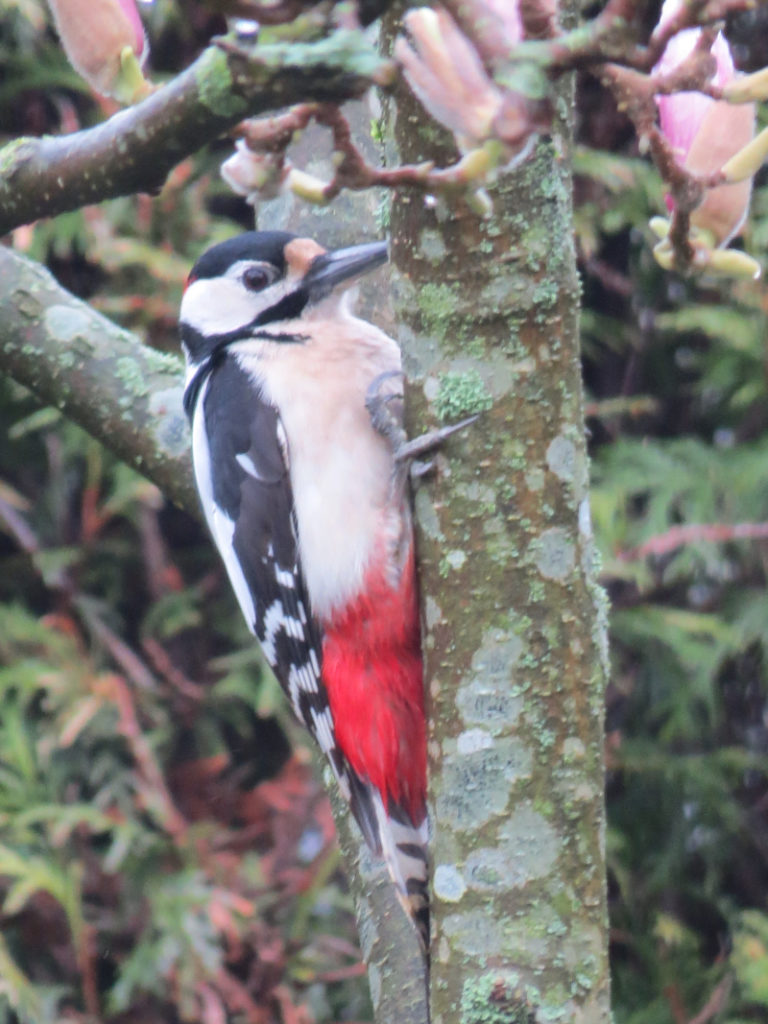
(105,43)
(705,133)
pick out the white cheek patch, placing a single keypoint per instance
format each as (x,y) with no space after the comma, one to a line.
(220,305)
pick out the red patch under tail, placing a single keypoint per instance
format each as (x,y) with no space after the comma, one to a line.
(372,670)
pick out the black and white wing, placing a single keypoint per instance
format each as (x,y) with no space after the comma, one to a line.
(242,472)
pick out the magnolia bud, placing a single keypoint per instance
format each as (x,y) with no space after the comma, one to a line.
(718,261)
(705,133)
(105,43)
(254,175)
(446,74)
(307,186)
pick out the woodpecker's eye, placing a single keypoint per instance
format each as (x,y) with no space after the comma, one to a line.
(256,278)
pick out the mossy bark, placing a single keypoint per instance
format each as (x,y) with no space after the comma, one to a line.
(126,395)
(514,632)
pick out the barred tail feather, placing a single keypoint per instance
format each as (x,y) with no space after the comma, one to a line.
(392,835)
(404,848)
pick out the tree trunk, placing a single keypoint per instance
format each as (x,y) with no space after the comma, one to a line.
(515,634)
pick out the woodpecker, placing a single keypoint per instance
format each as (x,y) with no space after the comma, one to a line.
(301,468)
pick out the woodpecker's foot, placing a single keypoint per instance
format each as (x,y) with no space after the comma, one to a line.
(384,403)
(385,407)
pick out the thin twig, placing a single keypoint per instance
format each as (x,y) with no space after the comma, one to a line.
(678,536)
(163,664)
(125,658)
(715,1003)
(50,175)
(170,818)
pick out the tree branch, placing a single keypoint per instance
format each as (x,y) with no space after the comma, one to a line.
(136,148)
(695,533)
(123,393)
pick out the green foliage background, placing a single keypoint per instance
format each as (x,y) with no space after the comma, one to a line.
(165,851)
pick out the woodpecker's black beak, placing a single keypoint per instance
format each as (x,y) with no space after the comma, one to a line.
(332,268)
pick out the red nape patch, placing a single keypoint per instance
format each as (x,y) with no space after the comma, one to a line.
(190,280)
(372,670)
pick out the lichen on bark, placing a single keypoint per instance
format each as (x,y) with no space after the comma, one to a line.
(120,391)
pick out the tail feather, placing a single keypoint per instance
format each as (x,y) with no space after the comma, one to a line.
(404,848)
(391,834)
(361,802)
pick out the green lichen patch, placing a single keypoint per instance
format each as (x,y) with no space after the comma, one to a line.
(427,516)
(13,153)
(496,998)
(461,394)
(448,884)
(476,783)
(474,933)
(535,842)
(130,374)
(163,362)
(472,740)
(493,706)
(65,323)
(165,408)
(452,560)
(555,553)
(345,50)
(216,84)
(438,308)
(487,870)
(562,458)
(432,612)
(432,245)
(486,698)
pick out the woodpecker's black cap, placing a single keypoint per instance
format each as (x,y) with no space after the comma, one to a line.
(266,246)
(320,271)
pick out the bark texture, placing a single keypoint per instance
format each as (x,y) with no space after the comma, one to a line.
(515,636)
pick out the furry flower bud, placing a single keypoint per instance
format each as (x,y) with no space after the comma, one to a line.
(255,175)
(105,43)
(447,76)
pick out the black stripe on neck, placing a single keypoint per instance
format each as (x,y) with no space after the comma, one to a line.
(219,351)
(192,390)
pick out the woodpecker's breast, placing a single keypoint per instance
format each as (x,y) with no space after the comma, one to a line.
(341,469)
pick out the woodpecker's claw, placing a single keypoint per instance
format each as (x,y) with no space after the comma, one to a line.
(388,422)
(431,440)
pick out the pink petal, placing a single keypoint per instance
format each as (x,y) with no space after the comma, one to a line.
(131,13)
